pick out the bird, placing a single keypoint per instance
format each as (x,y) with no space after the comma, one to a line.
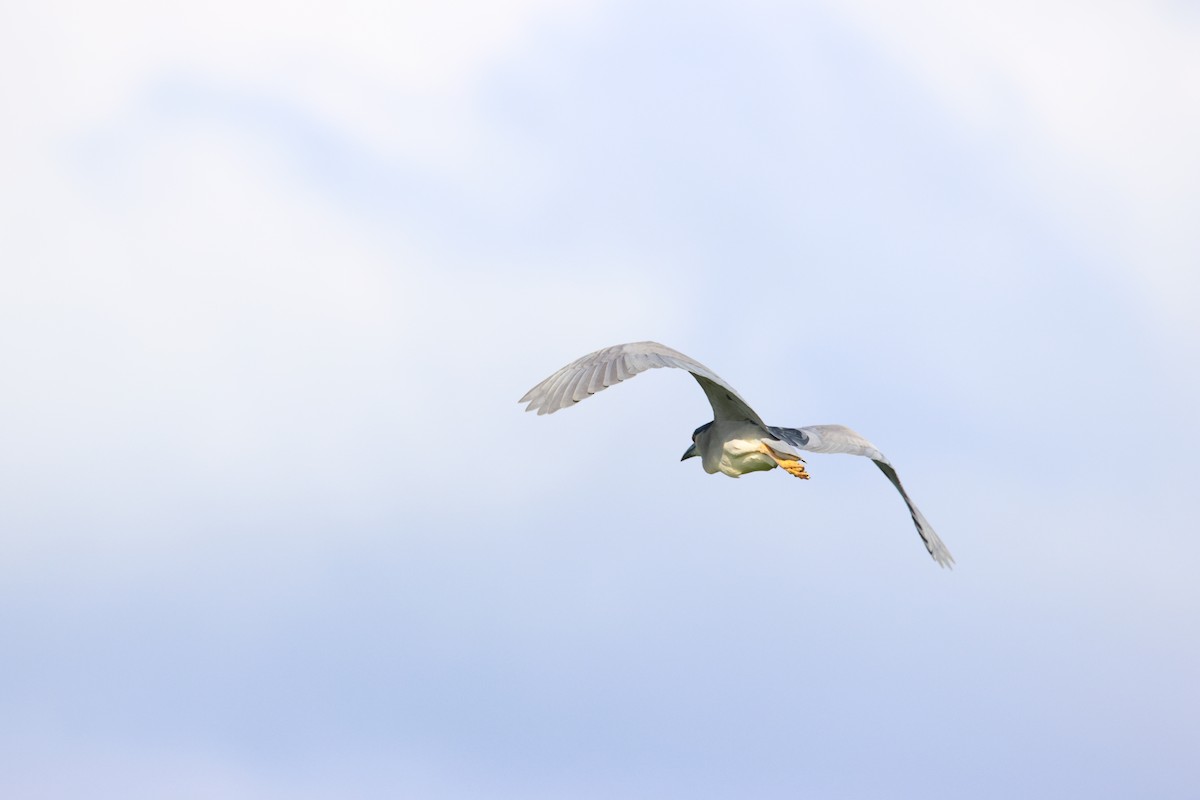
(737,441)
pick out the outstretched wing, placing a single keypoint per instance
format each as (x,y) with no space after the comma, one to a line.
(603,368)
(840,439)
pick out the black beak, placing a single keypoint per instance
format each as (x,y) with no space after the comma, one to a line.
(690,452)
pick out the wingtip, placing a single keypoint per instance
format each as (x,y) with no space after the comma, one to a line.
(943,558)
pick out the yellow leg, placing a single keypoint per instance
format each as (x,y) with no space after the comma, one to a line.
(790,466)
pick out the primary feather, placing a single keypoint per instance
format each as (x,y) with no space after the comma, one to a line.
(597,371)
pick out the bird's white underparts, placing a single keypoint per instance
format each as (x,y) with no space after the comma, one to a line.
(737,441)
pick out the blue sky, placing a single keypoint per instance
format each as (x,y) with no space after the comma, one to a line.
(275,526)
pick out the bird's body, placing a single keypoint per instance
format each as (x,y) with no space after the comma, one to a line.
(737,441)
(733,449)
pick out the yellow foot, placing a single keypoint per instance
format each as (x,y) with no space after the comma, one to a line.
(794,468)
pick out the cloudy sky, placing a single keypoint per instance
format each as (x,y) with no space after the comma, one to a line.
(272,277)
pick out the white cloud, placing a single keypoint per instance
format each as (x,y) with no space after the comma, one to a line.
(1096,104)
(394,75)
(180,309)
(194,318)
(93,55)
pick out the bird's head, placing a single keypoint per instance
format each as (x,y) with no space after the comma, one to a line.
(693,451)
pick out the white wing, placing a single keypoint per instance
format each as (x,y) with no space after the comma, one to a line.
(603,368)
(840,439)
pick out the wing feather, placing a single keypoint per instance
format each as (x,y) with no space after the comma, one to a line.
(610,375)
(596,379)
(556,385)
(611,365)
(625,368)
(580,385)
(840,439)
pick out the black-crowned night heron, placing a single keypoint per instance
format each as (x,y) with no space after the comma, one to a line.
(737,441)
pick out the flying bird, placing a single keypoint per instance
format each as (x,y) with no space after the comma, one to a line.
(737,441)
